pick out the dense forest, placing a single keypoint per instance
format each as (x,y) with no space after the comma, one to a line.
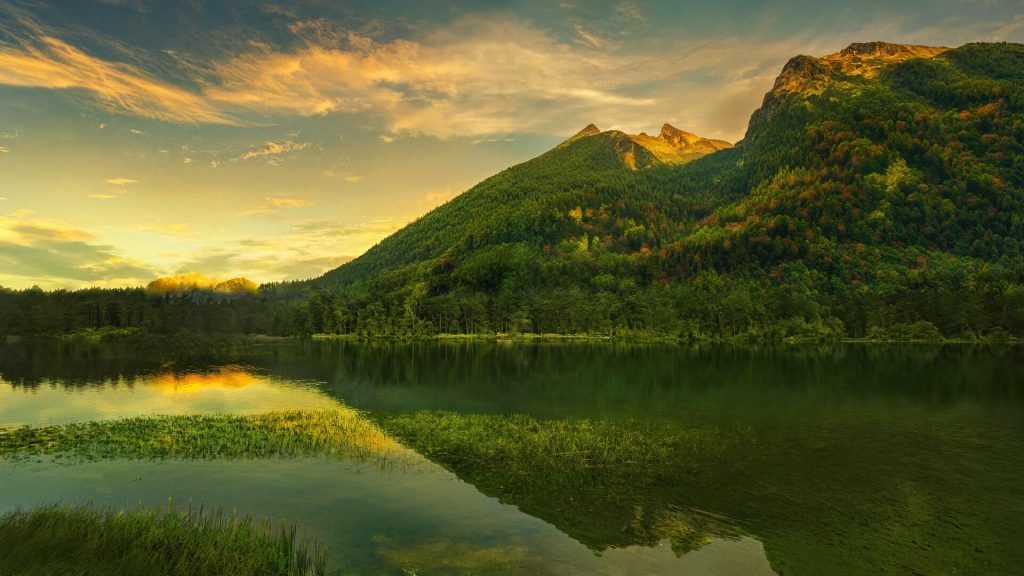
(883,206)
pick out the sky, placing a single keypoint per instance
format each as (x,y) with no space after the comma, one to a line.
(278,140)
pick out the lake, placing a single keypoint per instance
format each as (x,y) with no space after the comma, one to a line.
(582,458)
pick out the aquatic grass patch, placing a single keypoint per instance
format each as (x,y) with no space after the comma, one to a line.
(83,540)
(525,442)
(339,432)
(601,482)
(824,492)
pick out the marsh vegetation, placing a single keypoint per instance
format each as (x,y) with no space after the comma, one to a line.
(83,540)
(341,432)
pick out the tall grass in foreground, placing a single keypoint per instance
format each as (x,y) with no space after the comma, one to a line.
(339,432)
(82,540)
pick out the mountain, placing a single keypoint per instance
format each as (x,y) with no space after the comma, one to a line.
(878,191)
(807,75)
(671,146)
(182,284)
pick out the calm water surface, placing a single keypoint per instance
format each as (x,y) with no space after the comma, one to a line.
(807,460)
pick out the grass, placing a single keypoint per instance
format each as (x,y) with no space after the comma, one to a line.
(341,432)
(82,540)
(598,481)
(825,494)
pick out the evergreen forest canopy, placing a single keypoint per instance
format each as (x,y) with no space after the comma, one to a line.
(878,193)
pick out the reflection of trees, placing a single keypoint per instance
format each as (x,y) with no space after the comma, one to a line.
(605,485)
(646,380)
(71,364)
(863,492)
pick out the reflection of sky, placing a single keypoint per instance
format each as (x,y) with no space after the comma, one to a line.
(227,390)
(371,522)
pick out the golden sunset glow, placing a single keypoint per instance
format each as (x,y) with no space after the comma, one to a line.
(226,378)
(277,142)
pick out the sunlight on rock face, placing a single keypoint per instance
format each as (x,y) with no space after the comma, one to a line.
(195,282)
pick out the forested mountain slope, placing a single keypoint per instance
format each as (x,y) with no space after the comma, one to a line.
(875,188)
(878,192)
(528,202)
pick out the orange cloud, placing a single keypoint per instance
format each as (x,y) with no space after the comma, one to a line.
(21,228)
(274,148)
(54,254)
(52,63)
(478,76)
(274,204)
(112,196)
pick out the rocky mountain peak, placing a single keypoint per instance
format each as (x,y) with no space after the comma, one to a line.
(677,137)
(878,48)
(810,75)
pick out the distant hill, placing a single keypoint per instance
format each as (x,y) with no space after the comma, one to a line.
(671,146)
(182,284)
(519,201)
(877,187)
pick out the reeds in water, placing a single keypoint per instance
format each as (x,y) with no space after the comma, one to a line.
(341,432)
(83,540)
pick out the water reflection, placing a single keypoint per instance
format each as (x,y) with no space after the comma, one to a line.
(223,377)
(843,459)
(553,380)
(230,389)
(408,520)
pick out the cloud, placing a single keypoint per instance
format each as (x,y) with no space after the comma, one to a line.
(275,204)
(492,140)
(497,74)
(353,179)
(109,196)
(213,263)
(274,148)
(438,197)
(4,150)
(302,269)
(313,247)
(306,250)
(122,181)
(630,11)
(287,203)
(478,76)
(45,61)
(590,38)
(55,254)
(20,227)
